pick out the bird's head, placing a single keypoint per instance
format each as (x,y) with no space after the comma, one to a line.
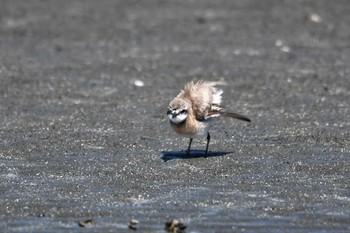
(178,110)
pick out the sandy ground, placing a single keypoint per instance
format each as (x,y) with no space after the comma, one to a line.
(83,130)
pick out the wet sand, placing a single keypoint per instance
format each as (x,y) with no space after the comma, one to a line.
(84,135)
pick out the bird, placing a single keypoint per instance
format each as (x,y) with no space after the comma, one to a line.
(193,110)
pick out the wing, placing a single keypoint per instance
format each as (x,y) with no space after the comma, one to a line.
(204,97)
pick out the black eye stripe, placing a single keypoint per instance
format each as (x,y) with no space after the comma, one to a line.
(176,112)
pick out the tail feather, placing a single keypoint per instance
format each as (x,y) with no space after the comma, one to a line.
(236,116)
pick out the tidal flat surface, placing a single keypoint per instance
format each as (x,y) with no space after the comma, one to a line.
(83,128)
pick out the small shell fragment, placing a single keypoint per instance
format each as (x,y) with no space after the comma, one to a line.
(175,226)
(85,223)
(133,224)
(139,83)
(315,18)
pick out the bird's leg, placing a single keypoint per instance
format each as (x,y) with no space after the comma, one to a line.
(208,140)
(189,146)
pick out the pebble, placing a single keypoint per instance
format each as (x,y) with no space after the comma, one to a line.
(175,226)
(85,223)
(133,224)
(139,83)
(315,18)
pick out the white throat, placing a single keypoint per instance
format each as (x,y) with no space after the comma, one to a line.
(178,119)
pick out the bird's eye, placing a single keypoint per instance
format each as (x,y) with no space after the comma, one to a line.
(183,111)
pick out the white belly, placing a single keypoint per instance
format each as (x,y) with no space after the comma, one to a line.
(203,129)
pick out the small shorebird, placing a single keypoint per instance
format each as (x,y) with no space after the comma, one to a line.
(192,111)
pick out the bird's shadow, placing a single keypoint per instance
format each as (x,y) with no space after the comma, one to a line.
(170,155)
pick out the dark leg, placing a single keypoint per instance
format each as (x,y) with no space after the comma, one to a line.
(208,140)
(189,146)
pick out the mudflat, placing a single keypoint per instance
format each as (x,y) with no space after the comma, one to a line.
(85,144)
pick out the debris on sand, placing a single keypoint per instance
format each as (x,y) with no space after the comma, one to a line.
(315,18)
(139,83)
(85,223)
(133,224)
(175,226)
